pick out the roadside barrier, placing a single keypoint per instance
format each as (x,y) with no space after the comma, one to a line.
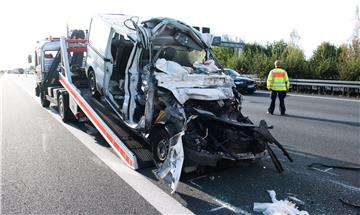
(321,87)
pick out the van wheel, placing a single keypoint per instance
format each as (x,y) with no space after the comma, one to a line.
(160,145)
(43,100)
(64,110)
(92,84)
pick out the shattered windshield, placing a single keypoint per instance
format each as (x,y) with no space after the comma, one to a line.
(178,49)
(182,59)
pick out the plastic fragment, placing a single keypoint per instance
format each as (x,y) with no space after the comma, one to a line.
(278,207)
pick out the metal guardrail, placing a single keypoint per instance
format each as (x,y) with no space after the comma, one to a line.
(325,87)
(326,83)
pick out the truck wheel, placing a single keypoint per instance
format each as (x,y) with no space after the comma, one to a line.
(37,90)
(64,110)
(43,100)
(160,145)
(92,84)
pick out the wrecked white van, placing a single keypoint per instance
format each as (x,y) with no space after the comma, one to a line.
(161,78)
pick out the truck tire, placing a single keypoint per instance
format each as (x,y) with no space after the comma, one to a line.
(37,90)
(64,109)
(43,100)
(92,85)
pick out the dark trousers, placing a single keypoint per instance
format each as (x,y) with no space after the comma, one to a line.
(282,95)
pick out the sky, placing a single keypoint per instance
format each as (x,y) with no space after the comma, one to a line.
(24,22)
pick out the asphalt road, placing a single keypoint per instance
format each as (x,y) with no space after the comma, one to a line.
(44,172)
(322,126)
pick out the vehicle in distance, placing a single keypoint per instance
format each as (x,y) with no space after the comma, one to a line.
(243,84)
(18,71)
(161,78)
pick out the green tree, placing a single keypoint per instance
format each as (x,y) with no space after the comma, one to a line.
(323,63)
(294,62)
(349,61)
(224,54)
(253,60)
(276,49)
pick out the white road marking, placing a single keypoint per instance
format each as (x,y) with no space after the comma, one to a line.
(302,154)
(197,178)
(159,199)
(1,131)
(193,183)
(230,207)
(44,140)
(357,189)
(323,171)
(216,209)
(317,97)
(327,98)
(328,169)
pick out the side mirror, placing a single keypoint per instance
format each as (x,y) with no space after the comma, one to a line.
(29,59)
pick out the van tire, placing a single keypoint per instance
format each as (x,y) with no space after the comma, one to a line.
(160,145)
(92,85)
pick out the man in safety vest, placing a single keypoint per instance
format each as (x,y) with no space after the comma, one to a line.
(278,83)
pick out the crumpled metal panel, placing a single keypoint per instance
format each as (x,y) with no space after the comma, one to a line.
(170,170)
(185,86)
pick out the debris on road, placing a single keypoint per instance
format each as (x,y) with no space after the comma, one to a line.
(278,207)
(354,168)
(346,202)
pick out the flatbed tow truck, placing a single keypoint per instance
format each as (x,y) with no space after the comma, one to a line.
(66,86)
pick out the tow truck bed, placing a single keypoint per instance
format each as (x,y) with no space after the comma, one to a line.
(132,149)
(139,147)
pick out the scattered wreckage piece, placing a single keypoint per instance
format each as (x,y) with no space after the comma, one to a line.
(278,206)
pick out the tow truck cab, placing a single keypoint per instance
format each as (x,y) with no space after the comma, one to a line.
(45,53)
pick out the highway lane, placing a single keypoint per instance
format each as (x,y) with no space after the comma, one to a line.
(323,126)
(44,170)
(234,190)
(316,130)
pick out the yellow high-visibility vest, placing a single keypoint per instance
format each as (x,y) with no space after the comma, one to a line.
(278,80)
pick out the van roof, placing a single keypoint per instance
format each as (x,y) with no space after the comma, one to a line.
(117,21)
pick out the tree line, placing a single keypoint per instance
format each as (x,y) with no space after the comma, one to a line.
(327,62)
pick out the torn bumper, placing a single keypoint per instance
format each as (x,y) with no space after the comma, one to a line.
(195,158)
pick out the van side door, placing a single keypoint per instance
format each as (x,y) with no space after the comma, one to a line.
(99,54)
